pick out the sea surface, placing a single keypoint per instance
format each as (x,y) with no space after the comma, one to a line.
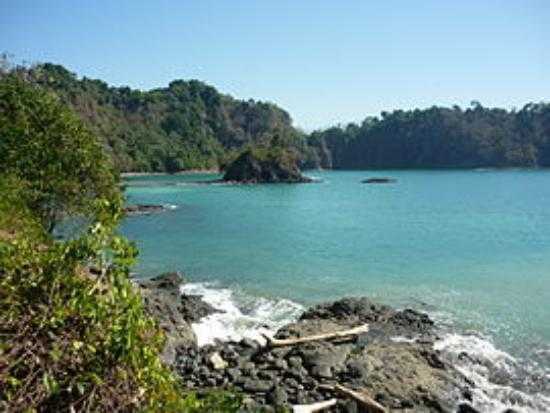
(470,247)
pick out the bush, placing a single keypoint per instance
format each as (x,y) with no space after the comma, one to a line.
(74,333)
(46,145)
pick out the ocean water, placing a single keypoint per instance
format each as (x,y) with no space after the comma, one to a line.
(471,248)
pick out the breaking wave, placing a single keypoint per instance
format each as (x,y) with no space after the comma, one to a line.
(501,381)
(242,315)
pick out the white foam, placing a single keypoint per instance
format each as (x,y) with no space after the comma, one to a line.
(484,358)
(403,339)
(245,317)
(477,345)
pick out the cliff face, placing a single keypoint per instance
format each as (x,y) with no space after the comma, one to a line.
(265,166)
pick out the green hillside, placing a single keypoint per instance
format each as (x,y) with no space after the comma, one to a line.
(187,125)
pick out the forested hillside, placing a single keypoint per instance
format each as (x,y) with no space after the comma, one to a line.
(190,125)
(187,125)
(440,138)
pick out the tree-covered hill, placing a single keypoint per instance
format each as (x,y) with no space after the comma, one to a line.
(187,125)
(440,138)
(190,125)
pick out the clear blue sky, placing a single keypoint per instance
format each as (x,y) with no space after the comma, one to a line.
(325,62)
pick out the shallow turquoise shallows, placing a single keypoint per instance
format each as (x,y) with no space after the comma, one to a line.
(470,247)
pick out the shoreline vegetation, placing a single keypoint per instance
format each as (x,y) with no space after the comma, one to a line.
(75,334)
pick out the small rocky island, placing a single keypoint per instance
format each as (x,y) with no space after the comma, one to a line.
(265,165)
(352,355)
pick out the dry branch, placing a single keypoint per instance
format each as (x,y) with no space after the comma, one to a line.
(314,407)
(365,401)
(275,342)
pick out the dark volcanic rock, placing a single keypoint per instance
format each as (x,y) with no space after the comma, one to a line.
(161,298)
(466,408)
(265,166)
(193,308)
(144,209)
(400,374)
(169,282)
(174,313)
(379,180)
(277,397)
(350,309)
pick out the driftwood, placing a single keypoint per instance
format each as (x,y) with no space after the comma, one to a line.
(367,403)
(314,407)
(343,334)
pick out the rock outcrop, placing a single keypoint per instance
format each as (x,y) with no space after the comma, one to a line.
(265,166)
(394,362)
(162,298)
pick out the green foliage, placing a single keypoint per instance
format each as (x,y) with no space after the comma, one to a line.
(188,125)
(74,333)
(440,138)
(212,402)
(15,216)
(45,145)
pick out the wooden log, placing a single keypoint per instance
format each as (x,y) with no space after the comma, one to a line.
(367,403)
(314,407)
(343,334)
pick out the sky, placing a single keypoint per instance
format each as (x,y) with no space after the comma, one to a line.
(325,62)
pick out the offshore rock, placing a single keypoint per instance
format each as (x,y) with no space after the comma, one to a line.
(265,166)
(379,181)
(144,209)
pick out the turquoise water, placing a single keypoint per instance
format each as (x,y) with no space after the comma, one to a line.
(470,247)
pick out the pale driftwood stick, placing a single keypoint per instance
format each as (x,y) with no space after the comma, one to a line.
(275,342)
(314,407)
(368,403)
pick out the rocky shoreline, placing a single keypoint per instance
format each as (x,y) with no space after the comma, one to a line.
(395,362)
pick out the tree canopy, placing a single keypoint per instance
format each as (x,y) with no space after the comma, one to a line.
(440,138)
(190,125)
(187,125)
(58,160)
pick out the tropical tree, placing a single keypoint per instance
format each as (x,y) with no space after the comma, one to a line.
(47,147)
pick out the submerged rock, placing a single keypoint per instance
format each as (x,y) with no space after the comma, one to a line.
(382,180)
(144,209)
(263,165)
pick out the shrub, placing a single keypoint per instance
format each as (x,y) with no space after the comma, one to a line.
(74,335)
